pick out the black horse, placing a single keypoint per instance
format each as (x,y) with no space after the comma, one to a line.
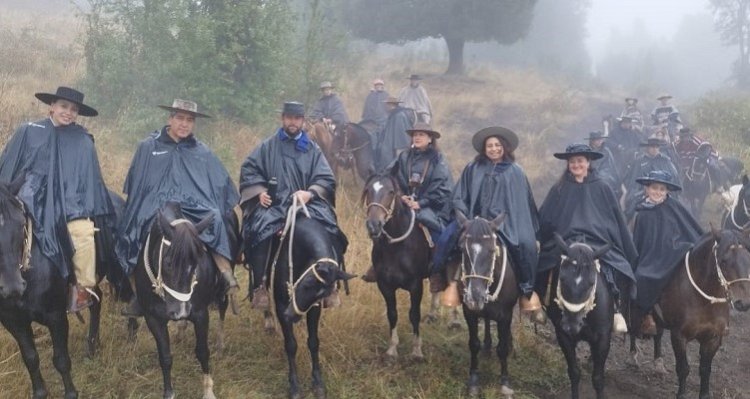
(400,256)
(582,310)
(352,149)
(31,290)
(490,291)
(305,270)
(697,183)
(176,279)
(739,214)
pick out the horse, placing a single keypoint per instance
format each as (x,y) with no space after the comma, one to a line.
(31,290)
(697,183)
(583,309)
(322,134)
(490,290)
(695,303)
(305,270)
(176,279)
(738,213)
(400,255)
(352,149)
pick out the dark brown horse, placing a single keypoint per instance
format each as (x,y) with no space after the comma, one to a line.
(352,150)
(322,134)
(714,277)
(489,291)
(400,253)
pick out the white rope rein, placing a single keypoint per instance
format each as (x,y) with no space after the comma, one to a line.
(491,278)
(733,210)
(722,280)
(28,239)
(389,215)
(587,305)
(156,281)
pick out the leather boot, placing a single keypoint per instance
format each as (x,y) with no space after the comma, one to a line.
(648,326)
(232,285)
(79,300)
(530,304)
(370,276)
(260,299)
(437,283)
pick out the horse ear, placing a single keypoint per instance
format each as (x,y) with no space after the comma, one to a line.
(745,180)
(342,275)
(204,223)
(498,221)
(716,233)
(561,243)
(461,218)
(601,251)
(164,224)
(15,185)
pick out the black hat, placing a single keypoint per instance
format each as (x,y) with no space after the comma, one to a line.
(72,95)
(494,131)
(189,107)
(633,99)
(659,176)
(652,142)
(685,131)
(579,149)
(293,108)
(414,76)
(423,127)
(596,135)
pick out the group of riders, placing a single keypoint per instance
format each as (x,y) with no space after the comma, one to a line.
(70,208)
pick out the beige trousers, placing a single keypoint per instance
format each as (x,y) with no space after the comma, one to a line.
(222,263)
(84,260)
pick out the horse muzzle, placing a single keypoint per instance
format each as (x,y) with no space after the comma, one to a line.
(177,310)
(741,305)
(572,323)
(374,228)
(12,288)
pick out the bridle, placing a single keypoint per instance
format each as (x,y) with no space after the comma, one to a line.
(722,280)
(388,215)
(734,209)
(160,288)
(589,303)
(292,285)
(491,278)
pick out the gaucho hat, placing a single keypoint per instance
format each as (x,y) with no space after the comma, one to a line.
(190,107)
(659,176)
(652,142)
(423,127)
(414,76)
(72,95)
(494,131)
(579,150)
(596,135)
(293,108)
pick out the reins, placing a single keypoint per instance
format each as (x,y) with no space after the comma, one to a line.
(28,238)
(160,288)
(734,209)
(388,215)
(722,280)
(587,305)
(491,278)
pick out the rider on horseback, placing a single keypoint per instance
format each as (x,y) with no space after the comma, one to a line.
(329,109)
(651,159)
(631,111)
(284,166)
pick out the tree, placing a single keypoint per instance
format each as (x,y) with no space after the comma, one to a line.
(732,21)
(456,21)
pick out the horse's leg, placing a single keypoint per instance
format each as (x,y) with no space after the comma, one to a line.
(269,326)
(568,347)
(57,323)
(313,344)
(658,358)
(132,329)
(202,352)
(472,323)
(20,329)
(389,294)
(455,323)
(182,325)
(487,344)
(290,346)
(158,328)
(221,337)
(432,315)
(679,346)
(415,315)
(95,312)
(634,352)
(504,347)
(707,351)
(600,351)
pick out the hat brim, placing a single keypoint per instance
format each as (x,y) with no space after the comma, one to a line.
(661,144)
(494,131)
(83,109)
(414,78)
(596,138)
(645,181)
(173,109)
(432,133)
(664,97)
(591,155)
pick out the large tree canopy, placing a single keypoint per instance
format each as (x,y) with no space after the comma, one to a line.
(732,21)
(456,21)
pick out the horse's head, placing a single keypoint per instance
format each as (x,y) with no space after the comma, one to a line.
(315,283)
(576,282)
(174,258)
(733,265)
(15,240)
(381,197)
(480,255)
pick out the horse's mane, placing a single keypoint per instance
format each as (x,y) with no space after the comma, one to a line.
(187,248)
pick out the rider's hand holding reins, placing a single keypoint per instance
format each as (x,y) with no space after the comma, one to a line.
(304,196)
(410,202)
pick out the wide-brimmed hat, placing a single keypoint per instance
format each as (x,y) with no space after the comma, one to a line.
(633,99)
(596,135)
(68,94)
(652,142)
(659,176)
(414,76)
(494,131)
(293,108)
(326,85)
(664,97)
(423,127)
(579,150)
(392,100)
(378,81)
(187,106)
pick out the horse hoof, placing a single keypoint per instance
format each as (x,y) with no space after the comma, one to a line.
(455,325)
(418,358)
(209,395)
(506,391)
(319,392)
(41,394)
(91,347)
(71,395)
(632,360)
(430,318)
(659,366)
(473,391)
(295,395)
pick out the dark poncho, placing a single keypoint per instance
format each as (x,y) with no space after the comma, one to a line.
(607,170)
(434,194)
(393,138)
(63,183)
(663,234)
(487,190)
(639,168)
(374,109)
(586,212)
(296,165)
(332,108)
(624,144)
(186,172)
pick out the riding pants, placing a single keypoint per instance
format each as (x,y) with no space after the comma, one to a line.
(84,259)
